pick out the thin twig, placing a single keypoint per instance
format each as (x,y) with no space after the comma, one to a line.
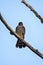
(33,10)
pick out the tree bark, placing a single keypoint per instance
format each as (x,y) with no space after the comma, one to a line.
(18,37)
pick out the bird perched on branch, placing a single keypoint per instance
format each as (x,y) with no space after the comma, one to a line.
(20,30)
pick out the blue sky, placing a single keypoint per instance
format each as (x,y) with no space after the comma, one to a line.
(13,11)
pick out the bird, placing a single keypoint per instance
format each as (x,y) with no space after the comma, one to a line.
(20,30)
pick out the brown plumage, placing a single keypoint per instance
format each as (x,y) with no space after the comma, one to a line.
(20,30)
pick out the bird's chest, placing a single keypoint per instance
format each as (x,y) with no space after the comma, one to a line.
(20,31)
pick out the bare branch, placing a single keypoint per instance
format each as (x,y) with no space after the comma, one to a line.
(33,10)
(17,36)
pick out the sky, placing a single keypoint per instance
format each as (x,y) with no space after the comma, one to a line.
(13,11)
